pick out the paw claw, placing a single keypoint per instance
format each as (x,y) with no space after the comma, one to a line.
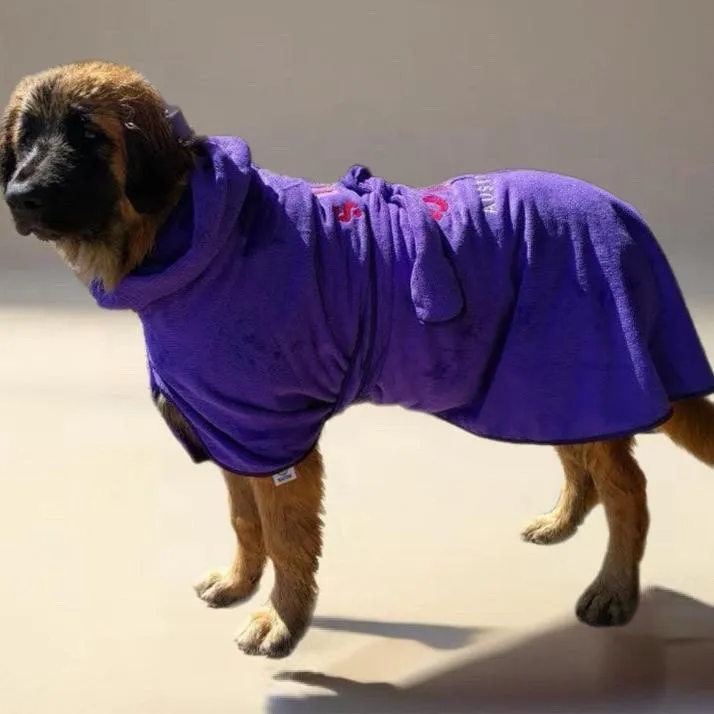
(267,635)
(548,530)
(602,605)
(221,588)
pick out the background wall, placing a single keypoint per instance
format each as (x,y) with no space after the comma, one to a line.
(620,92)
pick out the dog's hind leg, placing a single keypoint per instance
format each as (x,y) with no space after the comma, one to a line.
(239,581)
(691,427)
(578,497)
(613,597)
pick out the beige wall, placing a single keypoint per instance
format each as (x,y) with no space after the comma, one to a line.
(620,92)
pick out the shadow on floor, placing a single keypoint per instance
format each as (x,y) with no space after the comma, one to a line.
(440,637)
(663,661)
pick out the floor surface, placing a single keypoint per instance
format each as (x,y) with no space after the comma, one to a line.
(430,602)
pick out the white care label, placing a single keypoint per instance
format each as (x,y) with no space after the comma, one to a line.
(284,476)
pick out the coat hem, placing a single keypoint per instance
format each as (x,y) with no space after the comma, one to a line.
(201,454)
(652,426)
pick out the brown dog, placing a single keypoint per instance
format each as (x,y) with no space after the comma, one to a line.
(96,137)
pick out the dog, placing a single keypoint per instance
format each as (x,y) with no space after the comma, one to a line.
(521,306)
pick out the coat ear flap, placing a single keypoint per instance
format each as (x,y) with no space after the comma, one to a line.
(8,159)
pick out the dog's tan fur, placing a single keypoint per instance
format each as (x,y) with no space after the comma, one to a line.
(283,523)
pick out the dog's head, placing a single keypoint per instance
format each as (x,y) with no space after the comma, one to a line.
(89,160)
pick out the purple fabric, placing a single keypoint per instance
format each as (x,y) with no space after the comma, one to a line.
(519,305)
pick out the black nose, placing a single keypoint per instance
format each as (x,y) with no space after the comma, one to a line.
(25,196)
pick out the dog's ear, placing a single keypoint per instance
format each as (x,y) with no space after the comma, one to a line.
(7,150)
(156,161)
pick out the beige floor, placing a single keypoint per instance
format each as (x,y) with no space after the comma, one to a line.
(430,602)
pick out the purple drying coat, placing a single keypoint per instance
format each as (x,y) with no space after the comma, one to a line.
(519,305)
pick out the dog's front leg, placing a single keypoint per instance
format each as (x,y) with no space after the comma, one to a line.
(291,519)
(239,581)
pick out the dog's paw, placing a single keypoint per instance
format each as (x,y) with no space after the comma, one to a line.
(603,605)
(549,529)
(221,588)
(267,635)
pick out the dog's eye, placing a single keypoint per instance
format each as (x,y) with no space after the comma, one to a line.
(89,130)
(80,124)
(28,130)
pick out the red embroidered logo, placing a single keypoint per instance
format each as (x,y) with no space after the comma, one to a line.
(437,205)
(346,212)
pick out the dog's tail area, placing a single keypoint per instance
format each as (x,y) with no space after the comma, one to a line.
(691,427)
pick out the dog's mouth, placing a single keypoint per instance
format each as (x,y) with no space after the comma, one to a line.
(26,226)
(51,225)
(23,228)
